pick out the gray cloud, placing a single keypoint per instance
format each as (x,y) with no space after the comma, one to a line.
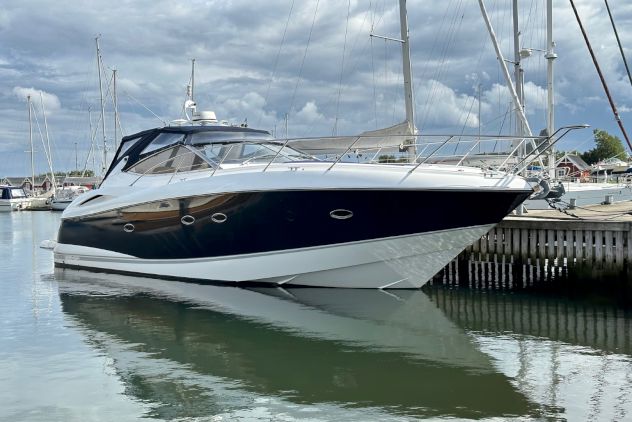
(49,46)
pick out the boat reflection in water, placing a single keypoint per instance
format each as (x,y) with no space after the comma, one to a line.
(571,356)
(195,350)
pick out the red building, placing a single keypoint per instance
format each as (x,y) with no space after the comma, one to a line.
(572,167)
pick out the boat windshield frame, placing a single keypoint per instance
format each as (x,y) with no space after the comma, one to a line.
(12,192)
(134,148)
(218,149)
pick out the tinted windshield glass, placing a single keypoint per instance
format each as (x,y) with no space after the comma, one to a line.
(176,159)
(162,140)
(250,152)
(125,146)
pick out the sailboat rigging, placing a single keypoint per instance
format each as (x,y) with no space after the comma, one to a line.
(601,77)
(616,33)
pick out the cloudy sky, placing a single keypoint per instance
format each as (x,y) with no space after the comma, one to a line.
(311,59)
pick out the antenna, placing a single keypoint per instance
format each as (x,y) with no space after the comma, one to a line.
(189,103)
(192,78)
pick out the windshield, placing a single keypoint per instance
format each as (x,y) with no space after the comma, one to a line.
(17,193)
(162,140)
(247,152)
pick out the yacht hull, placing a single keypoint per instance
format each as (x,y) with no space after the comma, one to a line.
(7,205)
(60,205)
(356,238)
(241,223)
(397,262)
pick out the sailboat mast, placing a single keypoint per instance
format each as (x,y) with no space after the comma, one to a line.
(550,109)
(517,67)
(115,108)
(48,151)
(28,100)
(501,59)
(105,151)
(408,87)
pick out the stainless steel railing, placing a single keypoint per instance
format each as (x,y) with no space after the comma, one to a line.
(511,154)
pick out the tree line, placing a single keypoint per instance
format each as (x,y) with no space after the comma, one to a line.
(74,173)
(606,146)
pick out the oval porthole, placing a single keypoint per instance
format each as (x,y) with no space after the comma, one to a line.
(219,218)
(128,228)
(187,220)
(290,216)
(341,214)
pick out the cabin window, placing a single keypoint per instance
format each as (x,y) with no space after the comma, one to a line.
(178,158)
(5,194)
(162,140)
(18,193)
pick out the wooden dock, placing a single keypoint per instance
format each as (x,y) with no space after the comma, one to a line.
(590,243)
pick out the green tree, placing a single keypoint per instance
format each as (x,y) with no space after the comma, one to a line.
(607,146)
(391,159)
(77,173)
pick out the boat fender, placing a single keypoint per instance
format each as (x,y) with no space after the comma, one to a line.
(48,244)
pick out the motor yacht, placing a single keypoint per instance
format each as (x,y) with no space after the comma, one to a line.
(212,202)
(13,198)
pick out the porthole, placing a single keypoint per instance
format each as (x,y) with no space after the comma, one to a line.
(341,214)
(219,218)
(128,228)
(187,220)
(290,216)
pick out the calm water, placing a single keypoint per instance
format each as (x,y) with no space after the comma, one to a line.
(81,346)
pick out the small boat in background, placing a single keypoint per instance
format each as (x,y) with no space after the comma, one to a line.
(64,196)
(40,202)
(12,198)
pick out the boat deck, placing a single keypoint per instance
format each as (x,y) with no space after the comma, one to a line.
(617,211)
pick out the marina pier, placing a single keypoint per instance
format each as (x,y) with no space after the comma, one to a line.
(546,247)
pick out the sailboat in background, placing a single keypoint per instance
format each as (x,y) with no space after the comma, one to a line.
(67,193)
(404,133)
(39,201)
(407,145)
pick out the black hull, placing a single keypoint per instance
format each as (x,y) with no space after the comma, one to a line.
(257,222)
